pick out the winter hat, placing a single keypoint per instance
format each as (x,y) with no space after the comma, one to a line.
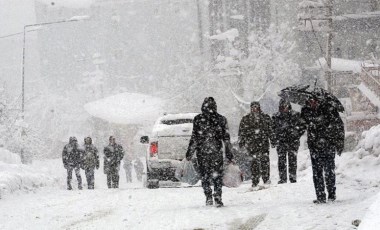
(209,105)
(255,104)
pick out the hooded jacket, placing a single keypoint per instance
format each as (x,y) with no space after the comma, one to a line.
(288,125)
(210,131)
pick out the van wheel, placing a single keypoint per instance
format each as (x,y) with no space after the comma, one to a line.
(151,183)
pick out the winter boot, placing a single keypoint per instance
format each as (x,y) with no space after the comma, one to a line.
(69,187)
(218,201)
(332,198)
(319,201)
(209,201)
(281,182)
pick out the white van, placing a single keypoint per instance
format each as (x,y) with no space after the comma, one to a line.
(167,147)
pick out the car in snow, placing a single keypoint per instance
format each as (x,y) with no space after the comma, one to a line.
(168,144)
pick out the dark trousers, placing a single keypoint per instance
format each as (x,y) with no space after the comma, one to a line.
(212,174)
(70,176)
(90,178)
(323,163)
(113,177)
(260,167)
(287,154)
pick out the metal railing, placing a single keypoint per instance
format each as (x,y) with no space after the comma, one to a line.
(371,77)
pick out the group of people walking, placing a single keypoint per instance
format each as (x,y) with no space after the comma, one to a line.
(87,158)
(257,132)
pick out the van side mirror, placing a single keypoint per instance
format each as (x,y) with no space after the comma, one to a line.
(144,140)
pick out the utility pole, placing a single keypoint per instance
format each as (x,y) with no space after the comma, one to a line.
(200,33)
(328,72)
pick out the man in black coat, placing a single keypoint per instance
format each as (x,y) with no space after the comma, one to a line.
(255,136)
(113,154)
(325,138)
(210,131)
(288,127)
(90,161)
(71,157)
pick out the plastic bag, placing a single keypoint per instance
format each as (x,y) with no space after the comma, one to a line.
(233,177)
(187,173)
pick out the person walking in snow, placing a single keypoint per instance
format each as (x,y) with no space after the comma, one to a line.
(139,169)
(255,136)
(210,131)
(288,128)
(71,157)
(113,154)
(90,161)
(325,138)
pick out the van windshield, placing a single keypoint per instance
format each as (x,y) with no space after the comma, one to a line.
(177,121)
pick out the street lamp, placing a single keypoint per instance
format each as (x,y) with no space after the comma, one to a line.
(73,19)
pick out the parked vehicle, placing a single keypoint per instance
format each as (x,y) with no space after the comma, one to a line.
(167,147)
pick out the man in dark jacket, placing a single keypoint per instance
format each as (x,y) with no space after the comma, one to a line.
(255,133)
(90,161)
(71,157)
(210,131)
(325,137)
(113,154)
(288,128)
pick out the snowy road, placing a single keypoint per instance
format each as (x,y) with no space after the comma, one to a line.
(287,206)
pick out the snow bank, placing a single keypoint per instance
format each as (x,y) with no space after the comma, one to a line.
(75,4)
(15,176)
(370,144)
(371,220)
(9,157)
(310,4)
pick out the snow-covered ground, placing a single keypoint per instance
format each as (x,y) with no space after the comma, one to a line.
(286,206)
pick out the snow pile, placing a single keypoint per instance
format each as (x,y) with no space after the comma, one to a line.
(371,220)
(75,4)
(8,157)
(15,176)
(370,144)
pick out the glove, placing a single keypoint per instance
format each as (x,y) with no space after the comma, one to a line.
(97,167)
(232,161)
(339,153)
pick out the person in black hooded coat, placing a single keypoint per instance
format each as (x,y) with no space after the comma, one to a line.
(325,138)
(288,127)
(210,131)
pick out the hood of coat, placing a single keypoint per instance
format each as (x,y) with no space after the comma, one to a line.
(284,106)
(209,106)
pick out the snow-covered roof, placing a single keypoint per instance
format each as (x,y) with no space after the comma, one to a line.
(127,108)
(339,64)
(179,116)
(75,4)
(364,15)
